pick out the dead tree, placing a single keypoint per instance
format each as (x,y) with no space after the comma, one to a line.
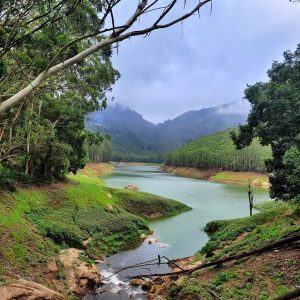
(250,197)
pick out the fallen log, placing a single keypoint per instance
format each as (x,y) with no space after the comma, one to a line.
(268,247)
(290,295)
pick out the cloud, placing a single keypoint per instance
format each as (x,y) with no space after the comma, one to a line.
(209,64)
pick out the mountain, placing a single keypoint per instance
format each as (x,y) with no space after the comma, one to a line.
(136,139)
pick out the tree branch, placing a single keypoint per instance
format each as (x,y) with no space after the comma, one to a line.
(115,37)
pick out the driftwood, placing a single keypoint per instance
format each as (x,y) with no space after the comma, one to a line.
(290,295)
(214,294)
(268,247)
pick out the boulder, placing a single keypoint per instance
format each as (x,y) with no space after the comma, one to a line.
(131,187)
(23,289)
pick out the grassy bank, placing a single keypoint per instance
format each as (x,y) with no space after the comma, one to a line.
(36,223)
(263,276)
(229,177)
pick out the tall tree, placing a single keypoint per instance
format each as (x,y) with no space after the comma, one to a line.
(275,119)
(45,136)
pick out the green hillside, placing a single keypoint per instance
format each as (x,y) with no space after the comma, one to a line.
(37,222)
(135,139)
(217,151)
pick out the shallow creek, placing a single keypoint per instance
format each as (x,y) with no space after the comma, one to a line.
(177,236)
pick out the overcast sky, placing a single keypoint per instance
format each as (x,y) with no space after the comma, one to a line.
(209,64)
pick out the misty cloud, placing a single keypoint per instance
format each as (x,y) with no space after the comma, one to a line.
(209,64)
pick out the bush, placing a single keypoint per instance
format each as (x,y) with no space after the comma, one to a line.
(59,225)
(95,220)
(145,204)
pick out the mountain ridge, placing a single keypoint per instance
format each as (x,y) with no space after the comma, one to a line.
(136,139)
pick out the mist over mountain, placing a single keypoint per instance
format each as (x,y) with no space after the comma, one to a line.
(136,139)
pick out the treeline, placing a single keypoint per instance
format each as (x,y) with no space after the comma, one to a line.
(218,151)
(147,157)
(100,152)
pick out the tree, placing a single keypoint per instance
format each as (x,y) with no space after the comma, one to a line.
(275,119)
(44,137)
(32,17)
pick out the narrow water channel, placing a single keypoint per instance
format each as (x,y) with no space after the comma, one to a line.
(178,236)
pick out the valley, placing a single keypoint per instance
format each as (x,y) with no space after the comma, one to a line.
(135,139)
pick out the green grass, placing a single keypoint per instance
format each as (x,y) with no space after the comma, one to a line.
(35,223)
(274,220)
(259,277)
(191,290)
(240,177)
(145,204)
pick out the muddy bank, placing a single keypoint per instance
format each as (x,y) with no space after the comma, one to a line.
(190,172)
(230,177)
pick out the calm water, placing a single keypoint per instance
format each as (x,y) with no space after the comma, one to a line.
(178,236)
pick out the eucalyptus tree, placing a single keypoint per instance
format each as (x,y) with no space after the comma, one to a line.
(44,135)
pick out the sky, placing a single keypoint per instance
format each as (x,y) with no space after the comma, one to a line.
(205,62)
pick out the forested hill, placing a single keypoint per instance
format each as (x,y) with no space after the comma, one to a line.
(217,151)
(135,139)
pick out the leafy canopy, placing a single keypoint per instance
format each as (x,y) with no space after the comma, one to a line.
(275,119)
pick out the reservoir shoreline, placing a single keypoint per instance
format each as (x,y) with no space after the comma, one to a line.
(257,179)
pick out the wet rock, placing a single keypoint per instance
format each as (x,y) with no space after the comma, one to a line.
(147,284)
(136,282)
(83,282)
(131,187)
(158,280)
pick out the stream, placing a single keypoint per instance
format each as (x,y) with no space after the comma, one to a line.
(177,236)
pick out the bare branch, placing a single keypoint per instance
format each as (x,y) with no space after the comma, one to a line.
(118,34)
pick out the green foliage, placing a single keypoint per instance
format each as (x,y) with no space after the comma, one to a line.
(221,278)
(44,138)
(191,290)
(36,222)
(275,110)
(9,178)
(173,291)
(109,230)
(135,139)
(147,205)
(59,225)
(271,224)
(217,151)
(108,222)
(100,152)
(20,245)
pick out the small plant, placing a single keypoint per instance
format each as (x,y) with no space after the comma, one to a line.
(60,269)
(173,291)
(278,277)
(223,277)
